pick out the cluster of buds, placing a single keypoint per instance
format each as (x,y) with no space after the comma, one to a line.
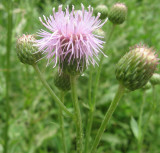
(136,67)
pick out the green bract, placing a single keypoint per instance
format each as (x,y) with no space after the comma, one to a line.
(118,13)
(62,81)
(26,52)
(75,67)
(136,67)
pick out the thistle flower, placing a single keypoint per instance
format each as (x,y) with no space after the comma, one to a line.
(136,67)
(71,38)
(26,52)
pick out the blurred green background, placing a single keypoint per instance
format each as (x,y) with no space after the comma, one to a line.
(34,125)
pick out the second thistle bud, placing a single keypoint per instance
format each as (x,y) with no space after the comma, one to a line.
(136,67)
(62,81)
(26,52)
(118,13)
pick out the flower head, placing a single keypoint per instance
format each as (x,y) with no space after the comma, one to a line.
(71,37)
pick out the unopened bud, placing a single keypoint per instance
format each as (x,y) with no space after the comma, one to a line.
(26,52)
(155,79)
(99,32)
(103,9)
(118,13)
(62,81)
(136,67)
(147,86)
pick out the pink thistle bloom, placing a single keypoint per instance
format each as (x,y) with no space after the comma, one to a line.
(71,36)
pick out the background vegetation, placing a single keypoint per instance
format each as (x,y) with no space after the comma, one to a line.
(34,125)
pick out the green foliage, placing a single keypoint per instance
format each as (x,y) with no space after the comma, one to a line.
(34,125)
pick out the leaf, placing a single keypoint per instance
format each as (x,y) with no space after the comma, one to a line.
(134,127)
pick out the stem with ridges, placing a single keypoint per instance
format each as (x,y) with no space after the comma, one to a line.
(63,107)
(62,124)
(7,105)
(107,117)
(140,123)
(92,103)
(150,113)
(78,119)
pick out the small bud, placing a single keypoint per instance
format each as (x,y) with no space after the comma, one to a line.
(118,13)
(26,52)
(136,67)
(155,79)
(103,9)
(147,86)
(62,81)
(99,32)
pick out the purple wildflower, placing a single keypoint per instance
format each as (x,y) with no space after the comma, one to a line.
(71,36)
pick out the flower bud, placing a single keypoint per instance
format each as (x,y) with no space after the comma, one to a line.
(155,79)
(147,86)
(103,9)
(136,67)
(26,52)
(62,81)
(100,32)
(118,13)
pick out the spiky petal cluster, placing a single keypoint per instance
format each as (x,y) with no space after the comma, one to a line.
(136,67)
(71,36)
(26,52)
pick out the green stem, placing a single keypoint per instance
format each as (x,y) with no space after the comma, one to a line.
(7,105)
(78,119)
(140,122)
(88,129)
(107,117)
(153,107)
(90,86)
(63,107)
(99,70)
(92,103)
(62,124)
